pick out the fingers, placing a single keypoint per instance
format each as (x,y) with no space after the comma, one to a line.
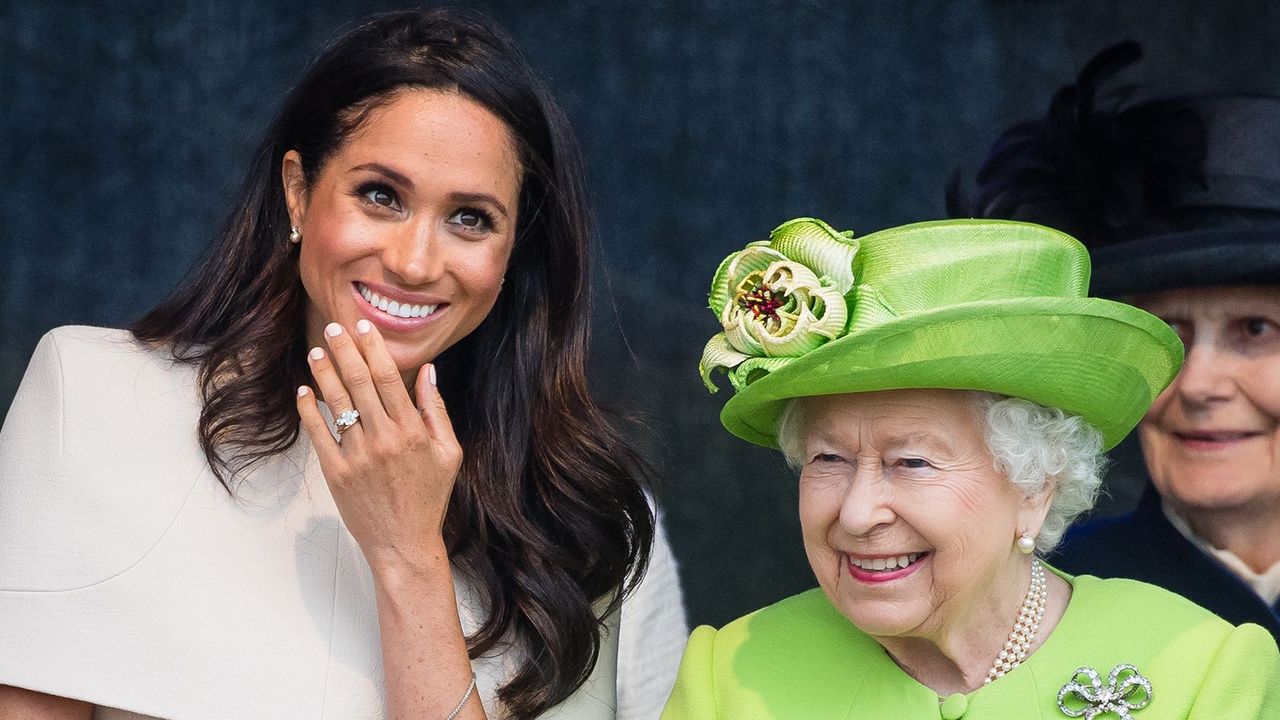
(431,407)
(317,429)
(386,376)
(358,372)
(346,368)
(327,381)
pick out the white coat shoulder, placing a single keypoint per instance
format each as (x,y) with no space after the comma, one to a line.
(97,455)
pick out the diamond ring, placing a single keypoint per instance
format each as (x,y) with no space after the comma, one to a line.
(347,420)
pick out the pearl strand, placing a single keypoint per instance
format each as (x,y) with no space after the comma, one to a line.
(1024,630)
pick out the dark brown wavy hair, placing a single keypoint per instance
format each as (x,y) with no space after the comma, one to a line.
(549,514)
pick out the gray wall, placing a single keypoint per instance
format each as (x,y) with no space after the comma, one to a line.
(124,127)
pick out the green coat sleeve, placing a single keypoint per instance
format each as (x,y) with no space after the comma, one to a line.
(693,697)
(1243,680)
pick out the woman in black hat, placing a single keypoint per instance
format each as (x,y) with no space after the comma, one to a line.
(1179,202)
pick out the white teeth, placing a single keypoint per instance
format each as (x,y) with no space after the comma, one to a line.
(391,307)
(884,564)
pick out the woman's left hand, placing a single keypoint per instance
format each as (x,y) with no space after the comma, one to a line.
(391,474)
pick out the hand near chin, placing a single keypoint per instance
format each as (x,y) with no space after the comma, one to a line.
(392,472)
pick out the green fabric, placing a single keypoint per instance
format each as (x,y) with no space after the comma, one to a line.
(801,658)
(960,304)
(802,273)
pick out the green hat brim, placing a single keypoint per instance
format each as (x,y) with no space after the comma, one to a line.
(1101,360)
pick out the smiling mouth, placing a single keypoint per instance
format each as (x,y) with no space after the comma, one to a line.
(1214,437)
(393,308)
(889,564)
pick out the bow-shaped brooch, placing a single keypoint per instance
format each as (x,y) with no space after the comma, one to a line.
(1126,690)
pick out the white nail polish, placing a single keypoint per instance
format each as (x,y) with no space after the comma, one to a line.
(317,354)
(333,330)
(363,326)
(302,391)
(431,373)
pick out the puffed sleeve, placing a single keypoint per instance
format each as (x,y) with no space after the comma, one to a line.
(693,697)
(652,636)
(1243,680)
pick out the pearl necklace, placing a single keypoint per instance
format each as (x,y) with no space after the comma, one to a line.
(1024,630)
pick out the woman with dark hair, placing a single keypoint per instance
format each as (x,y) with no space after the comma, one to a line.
(1178,199)
(184,536)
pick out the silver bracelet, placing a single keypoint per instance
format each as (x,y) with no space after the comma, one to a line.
(465,697)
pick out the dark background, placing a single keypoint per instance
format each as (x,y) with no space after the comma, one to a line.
(124,128)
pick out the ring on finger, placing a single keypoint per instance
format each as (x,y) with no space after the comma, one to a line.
(346,420)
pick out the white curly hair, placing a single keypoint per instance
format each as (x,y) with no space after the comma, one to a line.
(1029,444)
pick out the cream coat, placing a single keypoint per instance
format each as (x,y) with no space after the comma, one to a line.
(131,579)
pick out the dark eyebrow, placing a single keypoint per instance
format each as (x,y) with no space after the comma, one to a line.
(461,197)
(396,177)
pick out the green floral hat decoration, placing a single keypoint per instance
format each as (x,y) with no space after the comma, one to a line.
(985,305)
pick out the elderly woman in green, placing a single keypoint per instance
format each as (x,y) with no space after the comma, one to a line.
(946,391)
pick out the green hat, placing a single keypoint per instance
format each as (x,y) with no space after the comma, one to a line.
(956,304)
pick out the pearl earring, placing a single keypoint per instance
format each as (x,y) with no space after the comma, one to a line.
(1025,544)
(295,235)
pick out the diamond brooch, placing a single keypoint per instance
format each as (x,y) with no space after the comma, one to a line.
(1085,696)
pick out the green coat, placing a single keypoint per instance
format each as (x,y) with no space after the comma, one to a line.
(801,658)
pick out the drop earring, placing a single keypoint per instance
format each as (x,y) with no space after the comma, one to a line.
(1025,544)
(295,235)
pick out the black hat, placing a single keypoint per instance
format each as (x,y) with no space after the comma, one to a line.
(1166,193)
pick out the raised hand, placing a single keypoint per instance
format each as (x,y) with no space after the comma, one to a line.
(392,472)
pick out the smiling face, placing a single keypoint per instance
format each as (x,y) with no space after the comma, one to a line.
(1212,438)
(905,477)
(409,224)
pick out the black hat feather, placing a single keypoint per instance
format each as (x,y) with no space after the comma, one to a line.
(1168,192)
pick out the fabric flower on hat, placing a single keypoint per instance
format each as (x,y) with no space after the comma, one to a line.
(778,299)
